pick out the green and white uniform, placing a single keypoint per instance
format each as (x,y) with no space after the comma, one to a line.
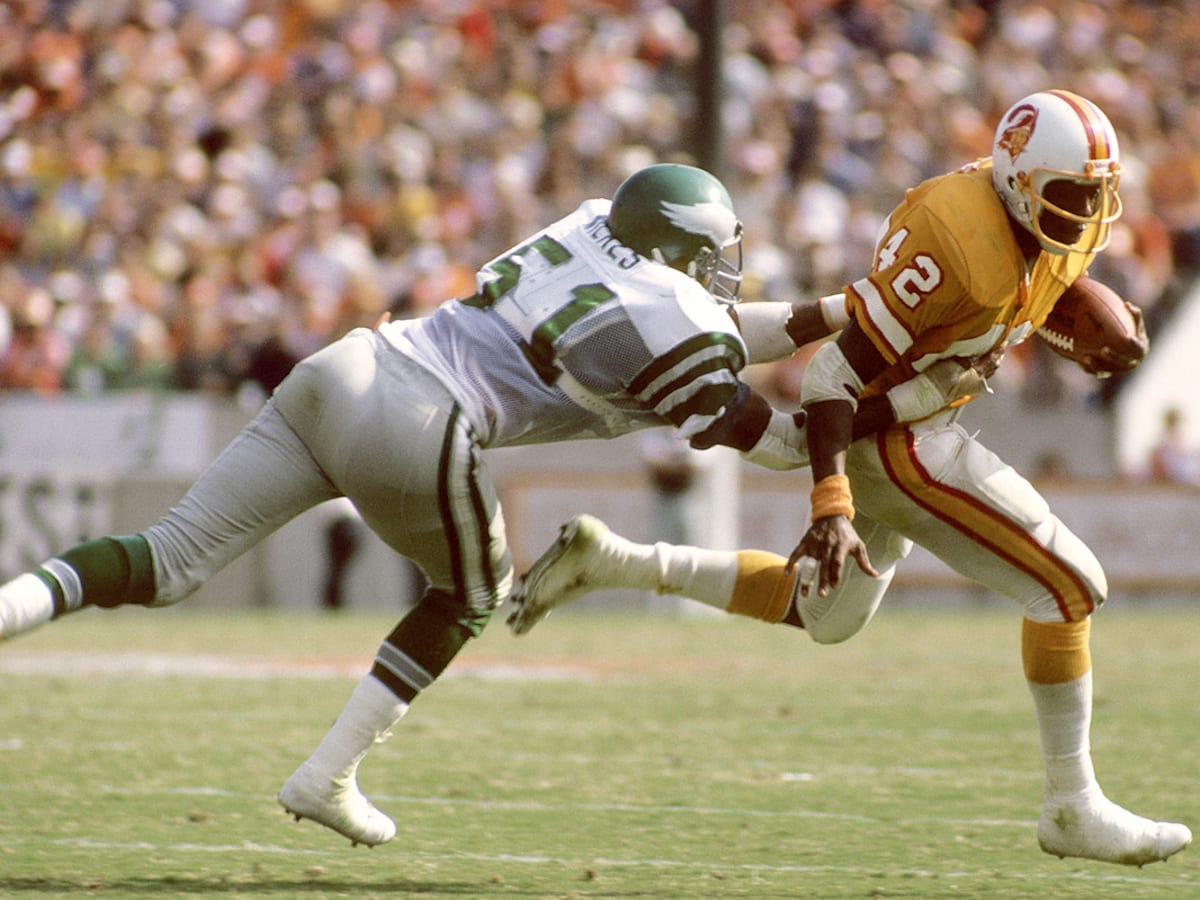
(573,334)
(570,335)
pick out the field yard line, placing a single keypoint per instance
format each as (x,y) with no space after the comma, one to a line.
(539,806)
(74,664)
(254,846)
(809,869)
(656,863)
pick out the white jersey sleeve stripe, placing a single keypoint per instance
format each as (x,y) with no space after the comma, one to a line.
(886,325)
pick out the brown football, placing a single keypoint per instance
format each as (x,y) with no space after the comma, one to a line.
(1087,318)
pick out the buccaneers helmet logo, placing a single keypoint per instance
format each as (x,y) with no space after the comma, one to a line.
(1015,137)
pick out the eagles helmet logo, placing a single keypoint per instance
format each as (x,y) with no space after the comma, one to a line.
(682,217)
(1015,137)
(711,220)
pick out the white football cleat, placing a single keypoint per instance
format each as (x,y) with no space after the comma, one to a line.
(336,803)
(572,567)
(1090,826)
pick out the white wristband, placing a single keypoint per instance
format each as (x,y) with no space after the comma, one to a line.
(833,311)
(933,390)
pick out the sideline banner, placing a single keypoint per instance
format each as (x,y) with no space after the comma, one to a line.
(72,468)
(43,511)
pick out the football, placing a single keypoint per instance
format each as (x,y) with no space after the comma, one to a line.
(1089,318)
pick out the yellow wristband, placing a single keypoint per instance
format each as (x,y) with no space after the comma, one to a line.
(831,497)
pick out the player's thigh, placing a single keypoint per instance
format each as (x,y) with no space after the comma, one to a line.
(403,451)
(448,522)
(964,504)
(263,479)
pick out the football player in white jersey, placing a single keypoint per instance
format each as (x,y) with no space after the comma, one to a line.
(969,263)
(616,318)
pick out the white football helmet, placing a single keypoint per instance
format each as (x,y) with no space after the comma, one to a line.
(1051,136)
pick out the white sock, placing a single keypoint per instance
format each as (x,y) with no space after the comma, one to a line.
(25,603)
(367,719)
(707,576)
(680,570)
(1064,713)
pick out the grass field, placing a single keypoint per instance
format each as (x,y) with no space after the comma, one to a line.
(620,757)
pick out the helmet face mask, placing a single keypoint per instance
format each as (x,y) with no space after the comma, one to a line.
(1066,211)
(682,217)
(718,269)
(1045,144)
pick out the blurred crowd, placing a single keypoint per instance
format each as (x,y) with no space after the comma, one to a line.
(195,193)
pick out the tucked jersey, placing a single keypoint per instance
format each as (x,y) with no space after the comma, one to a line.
(573,335)
(949,279)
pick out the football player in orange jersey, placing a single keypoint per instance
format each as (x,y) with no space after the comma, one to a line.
(969,264)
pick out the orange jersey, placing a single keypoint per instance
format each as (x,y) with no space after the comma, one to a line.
(949,279)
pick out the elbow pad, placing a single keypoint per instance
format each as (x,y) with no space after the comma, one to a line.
(763,326)
(782,445)
(829,376)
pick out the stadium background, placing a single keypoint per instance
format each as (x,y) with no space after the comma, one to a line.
(194,194)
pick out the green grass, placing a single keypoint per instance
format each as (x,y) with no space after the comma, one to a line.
(599,757)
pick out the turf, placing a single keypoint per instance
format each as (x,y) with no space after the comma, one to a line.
(600,756)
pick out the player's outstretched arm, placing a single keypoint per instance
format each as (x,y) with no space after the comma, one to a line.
(778,440)
(775,329)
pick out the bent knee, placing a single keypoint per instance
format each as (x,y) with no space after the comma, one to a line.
(450,608)
(177,586)
(832,622)
(845,610)
(177,573)
(1073,605)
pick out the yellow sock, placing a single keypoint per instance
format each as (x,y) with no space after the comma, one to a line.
(763,590)
(1055,652)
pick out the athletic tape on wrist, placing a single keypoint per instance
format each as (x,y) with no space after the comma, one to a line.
(833,311)
(831,497)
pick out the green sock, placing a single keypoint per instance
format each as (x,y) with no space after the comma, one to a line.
(106,572)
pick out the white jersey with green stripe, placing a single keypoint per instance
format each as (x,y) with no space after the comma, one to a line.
(573,335)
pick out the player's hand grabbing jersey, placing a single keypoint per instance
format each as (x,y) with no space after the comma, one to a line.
(573,335)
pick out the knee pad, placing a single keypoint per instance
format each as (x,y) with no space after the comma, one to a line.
(1074,602)
(847,609)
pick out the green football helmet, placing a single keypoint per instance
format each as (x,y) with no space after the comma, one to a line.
(682,217)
